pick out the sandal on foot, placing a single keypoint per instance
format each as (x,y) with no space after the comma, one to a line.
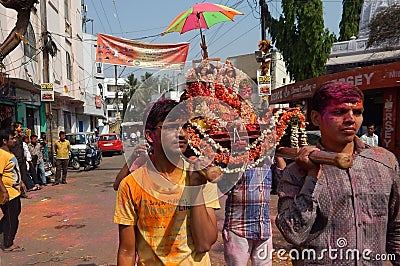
(34,189)
(14,249)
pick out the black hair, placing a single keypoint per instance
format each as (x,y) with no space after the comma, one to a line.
(157,112)
(5,135)
(335,91)
(15,125)
(61,133)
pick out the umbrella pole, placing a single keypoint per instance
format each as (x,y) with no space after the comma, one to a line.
(203,45)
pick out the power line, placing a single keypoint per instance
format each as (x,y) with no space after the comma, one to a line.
(105,14)
(98,16)
(116,15)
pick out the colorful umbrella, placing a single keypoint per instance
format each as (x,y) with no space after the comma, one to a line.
(201,16)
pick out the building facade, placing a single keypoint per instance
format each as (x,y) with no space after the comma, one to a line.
(71,70)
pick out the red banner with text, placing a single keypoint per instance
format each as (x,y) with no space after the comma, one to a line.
(118,51)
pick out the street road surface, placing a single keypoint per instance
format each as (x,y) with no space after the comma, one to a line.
(72,224)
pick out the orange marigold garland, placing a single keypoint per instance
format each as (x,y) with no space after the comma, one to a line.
(225,128)
(294,118)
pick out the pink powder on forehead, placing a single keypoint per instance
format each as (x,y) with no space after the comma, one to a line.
(343,97)
(335,92)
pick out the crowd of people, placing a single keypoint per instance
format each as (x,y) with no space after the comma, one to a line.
(22,170)
(165,206)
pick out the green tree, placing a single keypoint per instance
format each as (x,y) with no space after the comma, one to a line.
(300,36)
(385,27)
(133,84)
(141,96)
(349,23)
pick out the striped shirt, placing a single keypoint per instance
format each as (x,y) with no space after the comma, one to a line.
(347,210)
(247,205)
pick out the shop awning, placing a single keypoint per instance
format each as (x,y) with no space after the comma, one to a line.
(23,84)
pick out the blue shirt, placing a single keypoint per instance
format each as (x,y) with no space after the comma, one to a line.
(247,205)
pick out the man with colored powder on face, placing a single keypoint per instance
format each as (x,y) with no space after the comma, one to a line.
(341,216)
(163,209)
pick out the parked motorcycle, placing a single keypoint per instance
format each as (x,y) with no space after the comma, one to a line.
(74,159)
(93,157)
(48,171)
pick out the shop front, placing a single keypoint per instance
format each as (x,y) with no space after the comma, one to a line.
(7,114)
(381,87)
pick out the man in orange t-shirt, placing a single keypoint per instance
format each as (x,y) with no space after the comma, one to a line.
(164,210)
(10,191)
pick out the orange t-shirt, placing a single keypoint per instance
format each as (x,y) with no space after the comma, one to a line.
(10,174)
(160,210)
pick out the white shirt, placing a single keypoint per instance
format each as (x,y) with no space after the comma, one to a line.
(27,154)
(370,140)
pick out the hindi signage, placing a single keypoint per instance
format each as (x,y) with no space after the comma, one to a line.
(118,51)
(264,84)
(46,92)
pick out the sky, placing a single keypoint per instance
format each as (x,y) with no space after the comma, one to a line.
(145,20)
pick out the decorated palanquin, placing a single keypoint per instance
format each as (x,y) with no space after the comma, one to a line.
(225,125)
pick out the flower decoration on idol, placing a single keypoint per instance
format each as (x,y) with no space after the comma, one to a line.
(291,120)
(224,127)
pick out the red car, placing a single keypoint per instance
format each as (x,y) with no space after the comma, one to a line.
(110,143)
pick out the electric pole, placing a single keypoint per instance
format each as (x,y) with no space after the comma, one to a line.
(46,75)
(264,10)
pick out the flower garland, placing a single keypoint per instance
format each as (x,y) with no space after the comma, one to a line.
(218,109)
(253,154)
(296,119)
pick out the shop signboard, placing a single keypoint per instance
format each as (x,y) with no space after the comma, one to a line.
(389,119)
(366,78)
(46,92)
(264,84)
(98,102)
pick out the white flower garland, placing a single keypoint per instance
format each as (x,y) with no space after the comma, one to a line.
(297,131)
(218,147)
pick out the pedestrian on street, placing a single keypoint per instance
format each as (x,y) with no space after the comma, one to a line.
(18,151)
(37,160)
(247,226)
(322,207)
(44,146)
(247,231)
(370,137)
(11,186)
(62,148)
(165,211)
(30,164)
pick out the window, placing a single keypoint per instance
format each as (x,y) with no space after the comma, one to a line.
(283,80)
(66,10)
(67,121)
(69,66)
(30,46)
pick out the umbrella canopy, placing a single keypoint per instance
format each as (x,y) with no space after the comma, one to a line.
(201,16)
